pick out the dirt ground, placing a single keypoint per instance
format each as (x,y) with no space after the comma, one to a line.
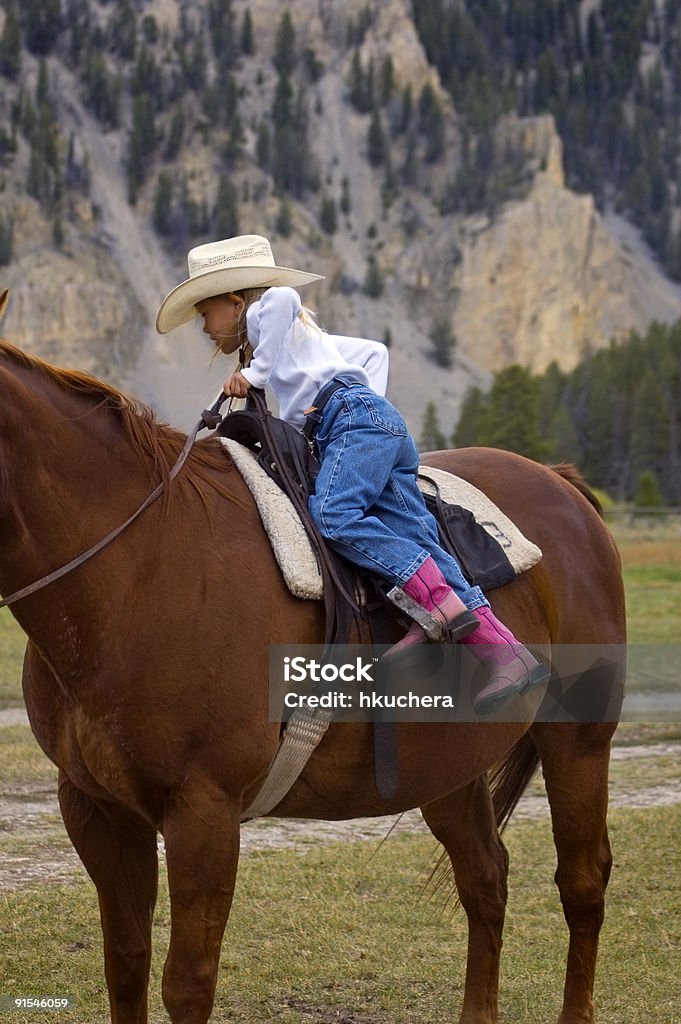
(34,848)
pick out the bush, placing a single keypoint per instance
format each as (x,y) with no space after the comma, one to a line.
(648,494)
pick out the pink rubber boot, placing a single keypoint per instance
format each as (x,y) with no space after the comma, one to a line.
(512,669)
(429,588)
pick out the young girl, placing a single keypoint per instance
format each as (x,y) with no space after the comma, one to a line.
(367,503)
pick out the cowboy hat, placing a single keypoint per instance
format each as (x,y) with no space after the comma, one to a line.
(226,266)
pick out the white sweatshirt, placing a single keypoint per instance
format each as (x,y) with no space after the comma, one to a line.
(296,359)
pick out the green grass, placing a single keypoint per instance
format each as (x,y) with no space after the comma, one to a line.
(21,758)
(338,933)
(12,645)
(651,559)
(653,601)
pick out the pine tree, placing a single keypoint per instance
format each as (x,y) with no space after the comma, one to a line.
(284,222)
(222,32)
(376,141)
(150,29)
(141,143)
(432,439)
(511,418)
(284,48)
(6,239)
(8,146)
(648,494)
(407,110)
(42,89)
(361,85)
(346,199)
(650,423)
(79,26)
(41,22)
(58,233)
(101,91)
(291,172)
(263,146)
(122,30)
(374,281)
(162,215)
(226,216)
(469,429)
(432,123)
(328,216)
(175,134)
(387,80)
(563,437)
(247,41)
(443,342)
(10,45)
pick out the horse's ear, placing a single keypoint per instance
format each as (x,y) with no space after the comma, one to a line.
(4,299)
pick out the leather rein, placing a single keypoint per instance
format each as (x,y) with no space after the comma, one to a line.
(209,419)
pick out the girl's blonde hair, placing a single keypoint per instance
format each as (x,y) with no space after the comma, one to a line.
(249,296)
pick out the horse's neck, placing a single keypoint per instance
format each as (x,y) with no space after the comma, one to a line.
(70,479)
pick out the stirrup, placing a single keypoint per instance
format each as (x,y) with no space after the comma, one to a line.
(441,632)
(431,626)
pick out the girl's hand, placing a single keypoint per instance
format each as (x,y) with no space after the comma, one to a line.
(236,386)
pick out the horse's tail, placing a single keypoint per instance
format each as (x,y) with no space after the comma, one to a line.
(569,472)
(509,779)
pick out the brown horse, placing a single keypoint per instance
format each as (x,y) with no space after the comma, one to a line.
(145,681)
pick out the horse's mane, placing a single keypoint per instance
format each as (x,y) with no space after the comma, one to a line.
(569,472)
(156,443)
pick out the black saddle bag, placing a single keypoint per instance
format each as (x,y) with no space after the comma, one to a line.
(483,560)
(274,442)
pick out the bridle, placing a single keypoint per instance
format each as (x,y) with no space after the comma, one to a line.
(210,418)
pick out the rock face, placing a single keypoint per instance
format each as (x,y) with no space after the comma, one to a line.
(550,278)
(544,279)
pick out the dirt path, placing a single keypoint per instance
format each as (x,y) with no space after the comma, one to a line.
(34,848)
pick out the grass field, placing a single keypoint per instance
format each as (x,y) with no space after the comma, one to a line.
(651,560)
(12,643)
(345,934)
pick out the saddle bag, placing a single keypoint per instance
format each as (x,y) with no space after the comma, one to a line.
(483,560)
(282,450)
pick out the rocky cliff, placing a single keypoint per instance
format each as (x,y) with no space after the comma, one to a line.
(542,277)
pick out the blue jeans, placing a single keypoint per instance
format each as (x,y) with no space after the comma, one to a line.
(367,502)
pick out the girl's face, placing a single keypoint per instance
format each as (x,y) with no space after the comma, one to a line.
(220,320)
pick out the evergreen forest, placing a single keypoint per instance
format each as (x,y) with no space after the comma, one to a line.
(609,72)
(617,415)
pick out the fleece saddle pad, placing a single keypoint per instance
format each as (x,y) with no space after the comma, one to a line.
(295,554)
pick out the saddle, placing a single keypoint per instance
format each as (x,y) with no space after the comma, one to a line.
(288,457)
(290,460)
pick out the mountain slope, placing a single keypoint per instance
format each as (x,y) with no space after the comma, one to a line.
(537,276)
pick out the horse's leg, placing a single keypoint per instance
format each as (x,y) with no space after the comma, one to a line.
(464,823)
(575,763)
(201,831)
(119,854)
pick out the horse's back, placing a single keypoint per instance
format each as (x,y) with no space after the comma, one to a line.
(575,594)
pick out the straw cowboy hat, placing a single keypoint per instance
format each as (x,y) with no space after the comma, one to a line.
(227,266)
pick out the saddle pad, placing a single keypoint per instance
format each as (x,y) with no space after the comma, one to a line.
(295,554)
